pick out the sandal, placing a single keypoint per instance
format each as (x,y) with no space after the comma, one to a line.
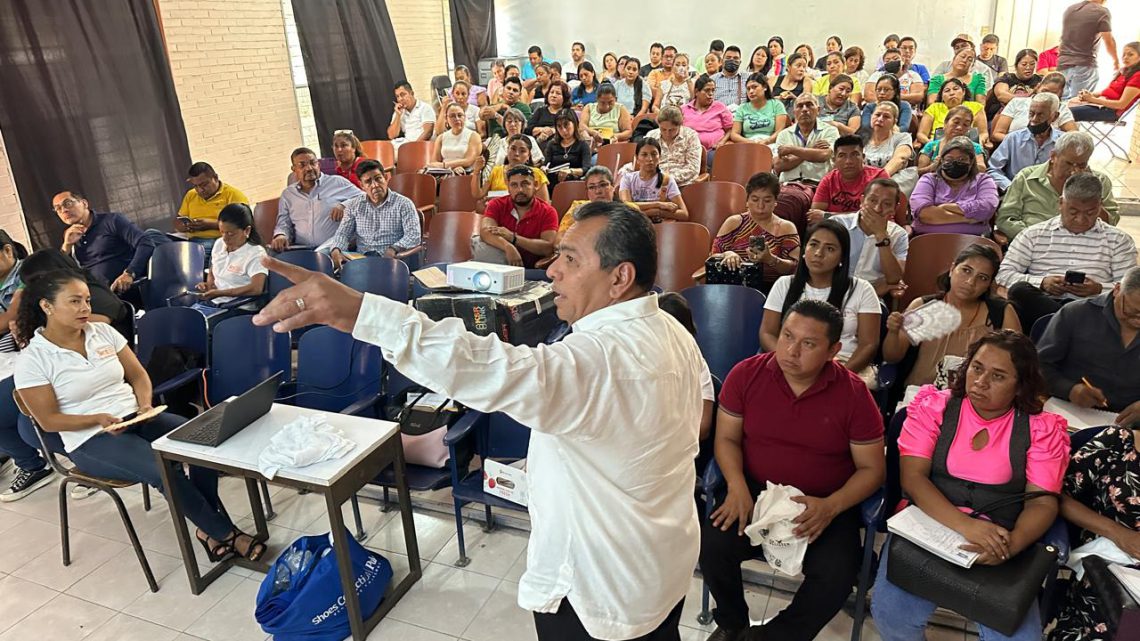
(253,552)
(217,552)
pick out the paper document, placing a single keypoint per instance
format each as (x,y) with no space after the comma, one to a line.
(917,527)
(1078,417)
(556,168)
(438,171)
(145,416)
(1129,577)
(431,277)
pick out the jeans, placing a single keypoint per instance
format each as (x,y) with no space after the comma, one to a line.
(1094,113)
(564,625)
(129,457)
(1078,78)
(207,245)
(24,455)
(902,616)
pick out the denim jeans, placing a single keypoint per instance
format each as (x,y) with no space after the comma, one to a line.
(207,245)
(1078,78)
(24,455)
(129,457)
(902,616)
(1094,113)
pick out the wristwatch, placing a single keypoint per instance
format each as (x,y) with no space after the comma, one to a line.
(886,242)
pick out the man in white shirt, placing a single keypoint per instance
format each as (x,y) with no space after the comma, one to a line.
(878,245)
(577,57)
(413,119)
(803,151)
(615,410)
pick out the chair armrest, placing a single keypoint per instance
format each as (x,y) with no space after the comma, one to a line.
(1058,536)
(411,252)
(462,427)
(872,510)
(359,406)
(189,376)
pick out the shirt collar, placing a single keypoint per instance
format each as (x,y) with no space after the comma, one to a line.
(316,185)
(639,307)
(825,378)
(39,339)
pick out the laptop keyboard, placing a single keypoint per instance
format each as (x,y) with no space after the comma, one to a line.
(204,433)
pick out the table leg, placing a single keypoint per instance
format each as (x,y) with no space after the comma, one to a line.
(259,518)
(405,499)
(180,530)
(344,564)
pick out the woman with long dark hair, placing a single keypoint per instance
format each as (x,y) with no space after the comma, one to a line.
(1109,104)
(236,270)
(822,274)
(649,189)
(587,90)
(762,117)
(630,89)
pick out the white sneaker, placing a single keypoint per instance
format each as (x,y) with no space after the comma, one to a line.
(80,492)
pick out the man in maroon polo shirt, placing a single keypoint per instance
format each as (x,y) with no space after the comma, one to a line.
(794,417)
(517,229)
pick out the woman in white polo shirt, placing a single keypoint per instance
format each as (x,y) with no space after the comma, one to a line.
(236,269)
(79,377)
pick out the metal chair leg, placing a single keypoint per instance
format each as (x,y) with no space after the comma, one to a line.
(356,517)
(146,497)
(463,561)
(387,505)
(704,617)
(269,513)
(64,534)
(134,537)
(865,577)
(489,519)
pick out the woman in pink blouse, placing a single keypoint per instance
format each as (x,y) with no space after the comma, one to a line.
(984,439)
(707,116)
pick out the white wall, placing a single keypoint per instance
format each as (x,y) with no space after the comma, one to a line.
(624,28)
(1036,24)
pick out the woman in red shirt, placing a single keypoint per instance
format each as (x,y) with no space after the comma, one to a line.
(1111,103)
(348,152)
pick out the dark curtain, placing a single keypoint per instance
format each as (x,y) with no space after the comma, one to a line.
(87,103)
(473,32)
(352,62)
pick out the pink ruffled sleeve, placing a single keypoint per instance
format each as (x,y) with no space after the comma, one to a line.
(1048,455)
(923,422)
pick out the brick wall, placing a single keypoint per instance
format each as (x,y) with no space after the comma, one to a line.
(422,30)
(231,71)
(11,215)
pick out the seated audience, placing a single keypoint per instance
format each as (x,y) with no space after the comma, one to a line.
(665,70)
(476,96)
(1035,191)
(835,68)
(680,148)
(908,47)
(587,90)
(600,187)
(1035,266)
(198,213)
(656,54)
(1110,104)
(776,54)
(108,244)
(1095,339)
(836,459)
(717,47)
(961,42)
(458,96)
(841,190)
(755,247)
(833,45)
(611,67)
(495,115)
(710,119)
(605,120)
(966,287)
(458,147)
(518,152)
(310,209)
(12,255)
(958,121)
(952,94)
(651,190)
(793,83)
(567,148)
(958,198)
(805,50)
(79,377)
(517,229)
(732,83)
(1008,447)
(378,222)
(912,88)
(962,70)
(556,71)
(541,123)
(236,270)
(837,110)
(348,153)
(803,152)
(853,65)
(577,59)
(891,41)
(988,55)
(1015,115)
(879,246)
(106,307)
(412,120)
(514,123)
(676,88)
(632,92)
(1022,81)
(533,59)
(886,89)
(889,148)
(760,118)
(823,275)
(1027,147)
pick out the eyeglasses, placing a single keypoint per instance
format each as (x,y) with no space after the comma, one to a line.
(598,186)
(68,203)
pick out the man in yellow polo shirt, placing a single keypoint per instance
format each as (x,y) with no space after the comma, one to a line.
(198,213)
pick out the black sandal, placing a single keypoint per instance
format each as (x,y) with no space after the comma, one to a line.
(253,552)
(217,552)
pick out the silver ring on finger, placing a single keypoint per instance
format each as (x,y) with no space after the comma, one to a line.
(300,304)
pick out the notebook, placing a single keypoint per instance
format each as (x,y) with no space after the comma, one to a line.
(919,528)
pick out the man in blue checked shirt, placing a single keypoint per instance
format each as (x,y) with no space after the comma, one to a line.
(312,207)
(379,221)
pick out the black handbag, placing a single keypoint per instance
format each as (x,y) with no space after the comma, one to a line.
(997,596)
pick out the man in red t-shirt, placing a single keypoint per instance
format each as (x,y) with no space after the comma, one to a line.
(521,227)
(794,417)
(841,190)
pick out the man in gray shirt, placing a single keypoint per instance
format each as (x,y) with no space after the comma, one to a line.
(1082,26)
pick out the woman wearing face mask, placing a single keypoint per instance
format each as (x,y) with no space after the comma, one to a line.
(952,94)
(761,118)
(630,89)
(958,122)
(794,82)
(887,90)
(834,65)
(676,89)
(958,198)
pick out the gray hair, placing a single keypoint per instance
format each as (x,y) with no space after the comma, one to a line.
(1083,187)
(1050,99)
(1078,143)
(627,238)
(515,114)
(1131,280)
(599,170)
(671,114)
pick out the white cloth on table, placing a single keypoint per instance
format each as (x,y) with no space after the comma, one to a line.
(304,441)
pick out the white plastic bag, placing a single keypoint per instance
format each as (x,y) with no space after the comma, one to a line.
(772,528)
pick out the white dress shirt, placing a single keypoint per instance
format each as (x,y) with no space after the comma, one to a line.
(615,410)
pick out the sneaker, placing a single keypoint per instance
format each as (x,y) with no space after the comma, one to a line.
(724,634)
(80,492)
(26,482)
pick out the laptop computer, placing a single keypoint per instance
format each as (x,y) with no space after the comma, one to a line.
(225,419)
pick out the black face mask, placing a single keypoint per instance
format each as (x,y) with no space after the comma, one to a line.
(1039,128)
(892,67)
(955,169)
(731,65)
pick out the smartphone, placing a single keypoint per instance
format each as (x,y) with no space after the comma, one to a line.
(1074,278)
(756,242)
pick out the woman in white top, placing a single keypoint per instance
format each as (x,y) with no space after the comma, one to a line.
(676,89)
(822,275)
(458,147)
(459,95)
(80,379)
(649,189)
(890,149)
(236,269)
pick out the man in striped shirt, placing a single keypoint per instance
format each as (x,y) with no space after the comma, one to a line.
(1073,256)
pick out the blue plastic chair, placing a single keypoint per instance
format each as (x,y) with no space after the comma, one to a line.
(537,274)
(306,258)
(175,326)
(1039,327)
(728,323)
(388,277)
(243,355)
(175,268)
(334,370)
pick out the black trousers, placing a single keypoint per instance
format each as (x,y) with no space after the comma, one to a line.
(830,569)
(1032,303)
(564,625)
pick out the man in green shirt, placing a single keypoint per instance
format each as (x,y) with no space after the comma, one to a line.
(493,114)
(1035,193)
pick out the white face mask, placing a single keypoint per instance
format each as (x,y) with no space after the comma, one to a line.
(682,70)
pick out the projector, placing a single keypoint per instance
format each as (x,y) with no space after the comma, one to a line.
(486,277)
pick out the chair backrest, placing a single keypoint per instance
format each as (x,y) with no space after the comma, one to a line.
(930,256)
(449,236)
(265,218)
(455,194)
(174,326)
(565,193)
(380,275)
(440,85)
(681,250)
(328,166)
(174,268)
(615,155)
(502,437)
(381,150)
(413,156)
(47,452)
(711,203)
(306,258)
(738,162)
(243,355)
(420,188)
(1039,326)
(334,370)
(728,323)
